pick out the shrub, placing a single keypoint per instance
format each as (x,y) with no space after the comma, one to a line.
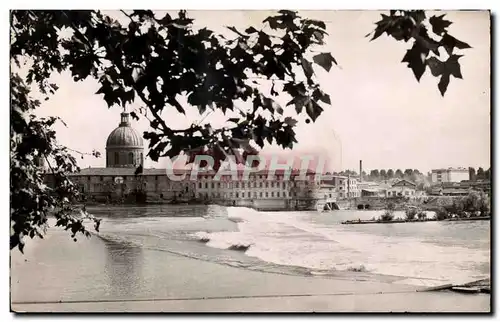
(388,215)
(422,215)
(410,213)
(442,214)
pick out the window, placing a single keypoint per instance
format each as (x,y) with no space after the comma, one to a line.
(200,185)
(237,184)
(213,185)
(267,194)
(130,158)
(117,158)
(101,178)
(88,178)
(156,178)
(284,194)
(230,195)
(237,195)
(267,184)
(272,193)
(260,185)
(260,194)
(255,194)
(206,185)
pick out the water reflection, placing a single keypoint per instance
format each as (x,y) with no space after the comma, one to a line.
(127,212)
(123,268)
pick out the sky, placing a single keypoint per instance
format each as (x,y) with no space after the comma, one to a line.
(379,114)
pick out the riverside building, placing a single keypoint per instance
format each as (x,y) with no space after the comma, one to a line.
(120,182)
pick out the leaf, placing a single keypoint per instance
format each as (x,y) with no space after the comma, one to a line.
(290,121)
(233,29)
(205,33)
(313,110)
(273,92)
(307,66)
(443,83)
(273,22)
(445,69)
(178,106)
(418,15)
(251,30)
(264,39)
(271,105)
(290,13)
(436,66)
(416,58)
(299,102)
(319,36)
(321,96)
(453,66)
(134,116)
(382,26)
(325,60)
(450,42)
(439,25)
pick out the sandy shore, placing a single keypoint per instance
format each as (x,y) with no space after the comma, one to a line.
(171,283)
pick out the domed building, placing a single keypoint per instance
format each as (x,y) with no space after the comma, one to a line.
(124,146)
(125,180)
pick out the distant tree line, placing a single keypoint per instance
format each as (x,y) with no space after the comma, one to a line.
(383,174)
(480,174)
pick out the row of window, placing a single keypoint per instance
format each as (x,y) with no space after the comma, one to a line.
(396,193)
(249,194)
(253,177)
(243,185)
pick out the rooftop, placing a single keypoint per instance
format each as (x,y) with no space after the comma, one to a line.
(450,169)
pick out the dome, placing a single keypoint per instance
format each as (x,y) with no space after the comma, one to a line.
(124,135)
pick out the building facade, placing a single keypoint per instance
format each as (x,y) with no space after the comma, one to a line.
(449,175)
(121,182)
(402,188)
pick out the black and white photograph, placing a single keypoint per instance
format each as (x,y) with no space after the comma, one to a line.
(257,161)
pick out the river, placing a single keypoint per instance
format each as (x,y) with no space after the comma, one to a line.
(296,243)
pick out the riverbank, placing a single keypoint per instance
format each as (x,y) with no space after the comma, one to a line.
(401,221)
(94,275)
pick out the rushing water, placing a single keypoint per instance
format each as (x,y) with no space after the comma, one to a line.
(309,242)
(119,261)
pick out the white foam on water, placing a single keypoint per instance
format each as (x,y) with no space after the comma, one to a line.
(287,239)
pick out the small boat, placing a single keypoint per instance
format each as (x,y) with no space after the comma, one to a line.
(461,289)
